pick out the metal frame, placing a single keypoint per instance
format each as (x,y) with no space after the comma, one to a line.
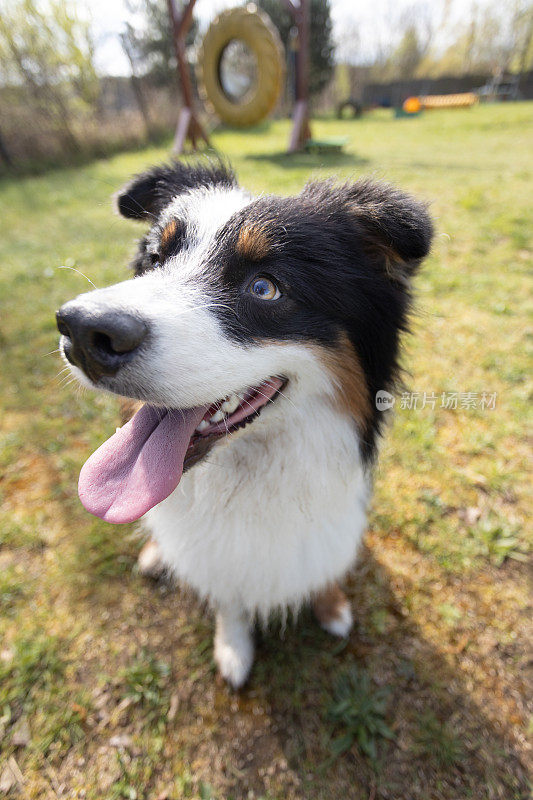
(189,126)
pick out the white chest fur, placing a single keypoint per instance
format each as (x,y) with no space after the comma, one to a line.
(270,517)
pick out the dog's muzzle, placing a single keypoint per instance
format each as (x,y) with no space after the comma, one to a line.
(99,342)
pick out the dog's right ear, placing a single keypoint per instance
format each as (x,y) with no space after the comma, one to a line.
(147,194)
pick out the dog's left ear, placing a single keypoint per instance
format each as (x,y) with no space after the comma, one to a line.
(393,228)
(147,194)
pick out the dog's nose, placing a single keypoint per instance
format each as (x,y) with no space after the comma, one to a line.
(99,342)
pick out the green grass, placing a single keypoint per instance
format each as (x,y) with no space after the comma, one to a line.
(437,740)
(146,683)
(113,677)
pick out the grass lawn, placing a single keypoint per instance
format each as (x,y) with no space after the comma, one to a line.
(107,684)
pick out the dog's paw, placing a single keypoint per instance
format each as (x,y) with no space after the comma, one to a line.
(234,664)
(333,612)
(341,624)
(234,650)
(149,562)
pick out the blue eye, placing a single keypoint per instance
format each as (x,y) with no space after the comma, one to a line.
(264,289)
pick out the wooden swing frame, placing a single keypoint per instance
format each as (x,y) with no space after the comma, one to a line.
(189,127)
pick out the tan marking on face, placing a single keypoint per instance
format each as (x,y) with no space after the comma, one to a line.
(351,395)
(253,242)
(168,232)
(328,604)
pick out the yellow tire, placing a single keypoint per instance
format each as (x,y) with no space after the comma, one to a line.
(254,28)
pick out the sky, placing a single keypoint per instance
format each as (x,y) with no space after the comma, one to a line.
(370,23)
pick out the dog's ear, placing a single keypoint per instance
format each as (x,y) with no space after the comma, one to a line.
(146,194)
(393,228)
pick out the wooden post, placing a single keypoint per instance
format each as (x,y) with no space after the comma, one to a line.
(189,126)
(301,131)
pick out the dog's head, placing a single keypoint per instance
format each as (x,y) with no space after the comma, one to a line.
(239,304)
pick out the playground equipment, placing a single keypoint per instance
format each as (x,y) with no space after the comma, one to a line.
(413,106)
(410,108)
(462,100)
(189,126)
(246,36)
(349,109)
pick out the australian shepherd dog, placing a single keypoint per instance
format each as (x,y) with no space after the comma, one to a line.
(254,336)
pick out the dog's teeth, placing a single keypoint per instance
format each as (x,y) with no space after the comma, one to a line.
(231,404)
(203,425)
(217,416)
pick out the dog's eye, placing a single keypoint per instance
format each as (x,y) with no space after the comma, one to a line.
(264,288)
(154,258)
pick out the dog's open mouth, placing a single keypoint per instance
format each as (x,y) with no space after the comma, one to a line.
(142,463)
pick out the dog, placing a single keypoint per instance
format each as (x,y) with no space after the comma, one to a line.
(255,335)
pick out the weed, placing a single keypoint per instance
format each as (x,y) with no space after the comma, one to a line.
(36,664)
(358,710)
(498,541)
(129,786)
(185,784)
(12,590)
(449,613)
(146,683)
(437,740)
(206,792)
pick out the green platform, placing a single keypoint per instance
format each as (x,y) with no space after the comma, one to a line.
(326,145)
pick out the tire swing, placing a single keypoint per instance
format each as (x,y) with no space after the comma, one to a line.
(241,66)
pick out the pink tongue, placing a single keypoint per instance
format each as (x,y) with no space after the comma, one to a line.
(140,465)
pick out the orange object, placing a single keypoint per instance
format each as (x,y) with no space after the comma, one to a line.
(412,105)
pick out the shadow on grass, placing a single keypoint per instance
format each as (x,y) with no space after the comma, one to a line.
(309,160)
(274,738)
(263,129)
(445,745)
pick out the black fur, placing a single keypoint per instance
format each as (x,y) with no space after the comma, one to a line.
(146,195)
(141,262)
(341,255)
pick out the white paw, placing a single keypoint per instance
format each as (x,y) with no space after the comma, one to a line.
(341,624)
(234,650)
(149,563)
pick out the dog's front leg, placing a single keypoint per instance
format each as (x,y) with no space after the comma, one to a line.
(234,645)
(150,562)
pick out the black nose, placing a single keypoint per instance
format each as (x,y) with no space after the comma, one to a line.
(99,342)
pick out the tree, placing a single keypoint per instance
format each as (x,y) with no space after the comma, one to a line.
(428,39)
(129,45)
(405,59)
(153,45)
(322,48)
(47,53)
(521,57)
(496,38)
